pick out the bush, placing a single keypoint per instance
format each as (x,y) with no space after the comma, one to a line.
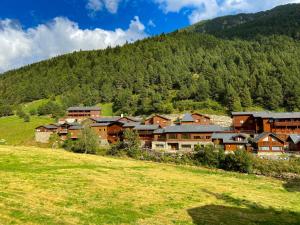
(88,142)
(33,112)
(209,156)
(6,110)
(129,147)
(239,161)
(51,108)
(26,118)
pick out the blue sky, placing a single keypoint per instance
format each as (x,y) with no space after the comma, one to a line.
(34,30)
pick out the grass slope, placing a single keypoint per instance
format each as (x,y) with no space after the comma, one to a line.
(16,132)
(43,186)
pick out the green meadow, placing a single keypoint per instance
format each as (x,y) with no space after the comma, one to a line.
(45,186)
(17,132)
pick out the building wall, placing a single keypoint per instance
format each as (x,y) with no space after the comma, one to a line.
(244,123)
(42,137)
(268,144)
(201,119)
(157,120)
(177,145)
(101,132)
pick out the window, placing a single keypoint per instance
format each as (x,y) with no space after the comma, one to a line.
(199,137)
(242,121)
(276,148)
(159,146)
(264,148)
(186,136)
(172,136)
(186,146)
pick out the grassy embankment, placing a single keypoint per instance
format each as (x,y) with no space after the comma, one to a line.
(43,186)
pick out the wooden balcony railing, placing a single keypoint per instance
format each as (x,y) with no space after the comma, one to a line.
(287,124)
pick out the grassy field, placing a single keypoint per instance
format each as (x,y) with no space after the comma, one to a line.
(44,186)
(16,132)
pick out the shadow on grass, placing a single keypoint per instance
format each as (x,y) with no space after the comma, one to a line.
(292,185)
(237,211)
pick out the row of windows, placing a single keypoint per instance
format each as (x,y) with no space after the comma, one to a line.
(187,137)
(274,148)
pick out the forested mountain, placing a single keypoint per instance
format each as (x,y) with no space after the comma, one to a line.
(282,20)
(185,69)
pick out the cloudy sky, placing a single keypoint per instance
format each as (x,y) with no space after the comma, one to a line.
(33,30)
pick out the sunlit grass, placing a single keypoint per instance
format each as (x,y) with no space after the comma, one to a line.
(45,186)
(17,132)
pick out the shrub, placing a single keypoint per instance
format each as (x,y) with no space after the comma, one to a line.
(26,118)
(33,112)
(208,156)
(51,108)
(129,147)
(88,142)
(240,161)
(5,110)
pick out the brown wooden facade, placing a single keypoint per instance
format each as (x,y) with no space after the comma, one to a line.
(269,143)
(83,112)
(158,120)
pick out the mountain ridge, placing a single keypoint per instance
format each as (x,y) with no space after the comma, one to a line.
(177,71)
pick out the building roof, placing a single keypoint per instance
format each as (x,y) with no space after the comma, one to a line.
(187,118)
(146,127)
(295,138)
(131,124)
(193,129)
(82,108)
(265,134)
(271,115)
(100,124)
(158,131)
(106,119)
(158,115)
(75,127)
(228,138)
(50,126)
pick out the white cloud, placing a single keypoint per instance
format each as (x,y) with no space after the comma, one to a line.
(95,6)
(206,9)
(20,47)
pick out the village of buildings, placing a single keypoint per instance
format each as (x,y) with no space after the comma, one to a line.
(262,133)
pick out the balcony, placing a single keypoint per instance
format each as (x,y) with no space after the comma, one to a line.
(287,124)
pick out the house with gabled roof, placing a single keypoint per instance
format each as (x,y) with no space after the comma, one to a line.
(268,143)
(231,141)
(159,120)
(194,118)
(294,142)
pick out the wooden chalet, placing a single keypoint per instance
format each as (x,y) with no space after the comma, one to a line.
(231,141)
(44,132)
(184,137)
(194,119)
(294,142)
(108,132)
(259,122)
(269,143)
(146,133)
(160,120)
(83,112)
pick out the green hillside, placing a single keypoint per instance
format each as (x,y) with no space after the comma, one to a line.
(17,132)
(45,186)
(282,20)
(184,69)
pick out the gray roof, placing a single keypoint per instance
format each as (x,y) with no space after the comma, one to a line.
(295,138)
(263,135)
(75,128)
(158,115)
(159,131)
(82,108)
(49,126)
(187,118)
(146,127)
(228,138)
(194,129)
(131,124)
(107,119)
(271,115)
(100,124)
